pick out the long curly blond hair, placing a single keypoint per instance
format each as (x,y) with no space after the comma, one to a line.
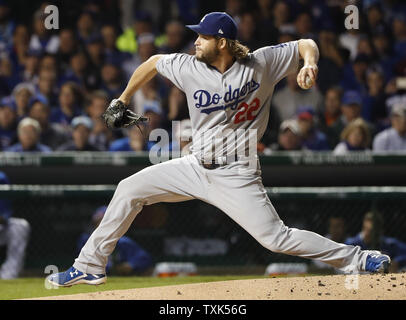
(236,48)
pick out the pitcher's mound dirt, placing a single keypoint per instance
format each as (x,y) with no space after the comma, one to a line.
(338,287)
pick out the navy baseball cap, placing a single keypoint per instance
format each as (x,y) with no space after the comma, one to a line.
(216,24)
(38,98)
(8,101)
(352,97)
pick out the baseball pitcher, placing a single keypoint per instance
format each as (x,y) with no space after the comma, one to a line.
(229,93)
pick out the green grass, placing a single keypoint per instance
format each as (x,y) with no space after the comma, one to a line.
(35,287)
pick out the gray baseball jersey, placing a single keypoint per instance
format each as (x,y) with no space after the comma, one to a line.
(220,105)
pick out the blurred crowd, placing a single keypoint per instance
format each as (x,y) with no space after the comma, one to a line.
(55,84)
(371,237)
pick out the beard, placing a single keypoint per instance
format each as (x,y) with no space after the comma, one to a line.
(208,57)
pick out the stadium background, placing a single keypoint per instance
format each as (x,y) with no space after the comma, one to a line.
(58,191)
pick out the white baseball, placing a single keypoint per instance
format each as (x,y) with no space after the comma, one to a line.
(308,82)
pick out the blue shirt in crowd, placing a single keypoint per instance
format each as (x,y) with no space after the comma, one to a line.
(317,141)
(57,116)
(37,148)
(390,246)
(7,137)
(123,144)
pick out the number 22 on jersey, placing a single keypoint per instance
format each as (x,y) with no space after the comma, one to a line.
(246,111)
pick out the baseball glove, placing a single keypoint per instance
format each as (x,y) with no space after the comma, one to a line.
(117,115)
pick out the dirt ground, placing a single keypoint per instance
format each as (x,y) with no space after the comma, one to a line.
(337,287)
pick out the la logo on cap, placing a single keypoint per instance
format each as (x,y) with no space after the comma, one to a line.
(220,31)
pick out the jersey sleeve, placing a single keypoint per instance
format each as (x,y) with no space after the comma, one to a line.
(172,66)
(280,60)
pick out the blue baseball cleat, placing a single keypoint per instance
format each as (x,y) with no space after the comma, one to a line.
(377,262)
(73,276)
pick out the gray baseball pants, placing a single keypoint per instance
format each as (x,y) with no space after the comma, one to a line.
(235,188)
